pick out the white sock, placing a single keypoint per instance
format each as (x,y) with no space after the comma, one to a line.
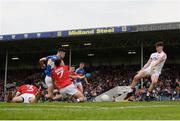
(78,100)
(148,93)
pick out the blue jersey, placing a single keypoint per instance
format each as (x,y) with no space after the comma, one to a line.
(50,67)
(81,72)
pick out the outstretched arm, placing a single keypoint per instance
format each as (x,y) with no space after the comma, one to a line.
(85,79)
(147,64)
(77,76)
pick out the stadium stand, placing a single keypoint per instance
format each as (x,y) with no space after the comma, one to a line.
(111,48)
(107,77)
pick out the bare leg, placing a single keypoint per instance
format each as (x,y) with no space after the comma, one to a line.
(136,78)
(36,98)
(50,86)
(79,96)
(17,100)
(154,79)
(50,92)
(80,88)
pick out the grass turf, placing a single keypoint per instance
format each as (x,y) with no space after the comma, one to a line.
(89,110)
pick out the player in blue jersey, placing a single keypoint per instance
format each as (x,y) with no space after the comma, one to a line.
(80,71)
(47,63)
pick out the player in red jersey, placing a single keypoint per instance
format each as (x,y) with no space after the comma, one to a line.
(26,93)
(62,81)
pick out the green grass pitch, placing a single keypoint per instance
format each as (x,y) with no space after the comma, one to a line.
(92,110)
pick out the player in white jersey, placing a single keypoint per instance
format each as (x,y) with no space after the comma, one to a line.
(152,68)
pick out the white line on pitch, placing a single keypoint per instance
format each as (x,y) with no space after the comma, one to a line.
(88,107)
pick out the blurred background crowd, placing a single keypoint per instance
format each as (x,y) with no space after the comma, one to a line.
(105,78)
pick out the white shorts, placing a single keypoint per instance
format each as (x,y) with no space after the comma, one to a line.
(26,97)
(77,83)
(70,89)
(48,81)
(150,71)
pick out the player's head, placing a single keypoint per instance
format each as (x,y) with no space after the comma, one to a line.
(72,69)
(81,65)
(57,62)
(159,46)
(61,52)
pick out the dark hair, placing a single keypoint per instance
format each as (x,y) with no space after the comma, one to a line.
(29,80)
(57,62)
(61,50)
(82,63)
(160,43)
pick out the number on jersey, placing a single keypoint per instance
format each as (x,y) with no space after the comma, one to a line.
(30,88)
(60,72)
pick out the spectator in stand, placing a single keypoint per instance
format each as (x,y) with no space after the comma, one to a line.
(107,77)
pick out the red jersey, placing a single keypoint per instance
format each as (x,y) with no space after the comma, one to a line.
(61,75)
(73,74)
(30,89)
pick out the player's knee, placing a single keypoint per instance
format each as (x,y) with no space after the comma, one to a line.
(80,88)
(154,82)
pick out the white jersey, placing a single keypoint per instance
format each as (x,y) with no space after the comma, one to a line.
(155,56)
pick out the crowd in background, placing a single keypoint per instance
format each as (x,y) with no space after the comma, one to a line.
(108,77)
(104,78)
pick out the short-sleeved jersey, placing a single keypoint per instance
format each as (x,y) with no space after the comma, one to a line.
(61,76)
(50,66)
(155,56)
(30,89)
(81,72)
(73,74)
